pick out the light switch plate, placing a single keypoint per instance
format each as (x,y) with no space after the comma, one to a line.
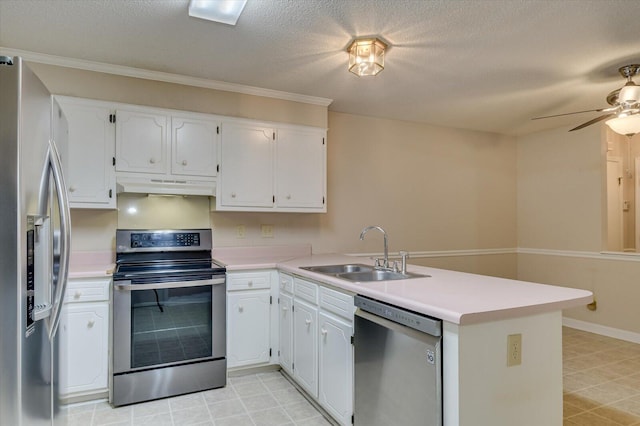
(267,231)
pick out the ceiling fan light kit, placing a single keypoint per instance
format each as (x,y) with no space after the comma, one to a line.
(366,56)
(623,116)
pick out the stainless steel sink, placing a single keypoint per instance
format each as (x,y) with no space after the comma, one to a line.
(338,269)
(378,275)
(357,272)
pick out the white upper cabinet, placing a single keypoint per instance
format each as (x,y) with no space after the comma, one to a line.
(194,146)
(246,158)
(165,151)
(89,170)
(300,165)
(141,142)
(272,168)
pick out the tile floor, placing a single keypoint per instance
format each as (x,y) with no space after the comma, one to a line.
(601,379)
(262,399)
(601,388)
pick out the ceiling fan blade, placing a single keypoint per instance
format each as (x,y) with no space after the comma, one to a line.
(577,112)
(590,122)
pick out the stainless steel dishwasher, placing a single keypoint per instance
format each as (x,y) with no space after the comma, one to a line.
(398,366)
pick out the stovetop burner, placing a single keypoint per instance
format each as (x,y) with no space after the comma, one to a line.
(143,255)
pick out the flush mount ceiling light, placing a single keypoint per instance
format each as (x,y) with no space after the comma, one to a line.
(224,11)
(366,56)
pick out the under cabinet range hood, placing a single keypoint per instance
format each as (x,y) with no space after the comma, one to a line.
(145,185)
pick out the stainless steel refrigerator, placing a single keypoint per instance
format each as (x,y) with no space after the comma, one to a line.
(34,246)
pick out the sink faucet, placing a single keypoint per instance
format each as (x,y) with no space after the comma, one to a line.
(386,246)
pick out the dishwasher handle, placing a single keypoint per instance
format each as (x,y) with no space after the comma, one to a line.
(394,314)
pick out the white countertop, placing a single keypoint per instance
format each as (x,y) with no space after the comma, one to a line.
(456,297)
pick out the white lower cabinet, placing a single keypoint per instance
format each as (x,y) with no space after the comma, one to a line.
(316,329)
(286,332)
(248,328)
(336,367)
(250,319)
(305,346)
(84,339)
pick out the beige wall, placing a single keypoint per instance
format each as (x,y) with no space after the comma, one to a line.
(561,214)
(431,188)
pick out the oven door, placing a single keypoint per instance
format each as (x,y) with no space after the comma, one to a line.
(168,323)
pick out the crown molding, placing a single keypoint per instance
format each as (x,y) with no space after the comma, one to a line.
(81,64)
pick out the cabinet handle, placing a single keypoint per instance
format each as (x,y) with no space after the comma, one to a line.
(77,294)
(288,196)
(91,323)
(240,308)
(184,162)
(323,331)
(152,160)
(233,195)
(285,309)
(307,321)
(250,283)
(72,188)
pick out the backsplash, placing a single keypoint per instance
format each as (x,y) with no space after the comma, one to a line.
(141,211)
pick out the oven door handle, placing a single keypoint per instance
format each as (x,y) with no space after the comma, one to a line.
(127,286)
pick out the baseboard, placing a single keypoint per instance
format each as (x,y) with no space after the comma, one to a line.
(603,330)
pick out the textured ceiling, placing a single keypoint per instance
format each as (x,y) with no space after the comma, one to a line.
(486,65)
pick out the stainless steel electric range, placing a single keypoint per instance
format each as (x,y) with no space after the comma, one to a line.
(169,315)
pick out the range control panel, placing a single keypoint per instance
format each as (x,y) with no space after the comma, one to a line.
(181,239)
(401,316)
(143,240)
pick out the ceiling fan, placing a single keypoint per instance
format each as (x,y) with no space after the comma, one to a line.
(624,102)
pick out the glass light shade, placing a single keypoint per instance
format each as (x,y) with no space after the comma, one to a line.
(629,94)
(628,125)
(366,56)
(224,11)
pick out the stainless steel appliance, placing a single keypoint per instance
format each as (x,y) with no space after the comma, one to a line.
(34,254)
(169,315)
(398,366)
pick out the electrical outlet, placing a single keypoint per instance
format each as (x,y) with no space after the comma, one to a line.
(514,350)
(240,231)
(267,231)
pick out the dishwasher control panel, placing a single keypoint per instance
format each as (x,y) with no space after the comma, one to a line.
(401,316)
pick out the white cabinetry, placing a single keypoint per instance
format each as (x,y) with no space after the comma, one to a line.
(141,139)
(271,168)
(170,151)
(89,168)
(285,322)
(249,318)
(319,337)
(84,340)
(336,354)
(300,169)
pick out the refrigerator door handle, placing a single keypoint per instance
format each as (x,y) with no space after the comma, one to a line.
(54,165)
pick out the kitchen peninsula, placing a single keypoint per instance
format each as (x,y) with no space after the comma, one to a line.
(478,313)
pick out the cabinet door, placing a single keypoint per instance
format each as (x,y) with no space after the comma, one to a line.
(301,167)
(84,347)
(336,368)
(305,346)
(246,173)
(286,332)
(248,328)
(90,172)
(194,146)
(141,142)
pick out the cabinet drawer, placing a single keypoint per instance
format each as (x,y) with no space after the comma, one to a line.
(337,302)
(87,290)
(306,290)
(286,283)
(248,280)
